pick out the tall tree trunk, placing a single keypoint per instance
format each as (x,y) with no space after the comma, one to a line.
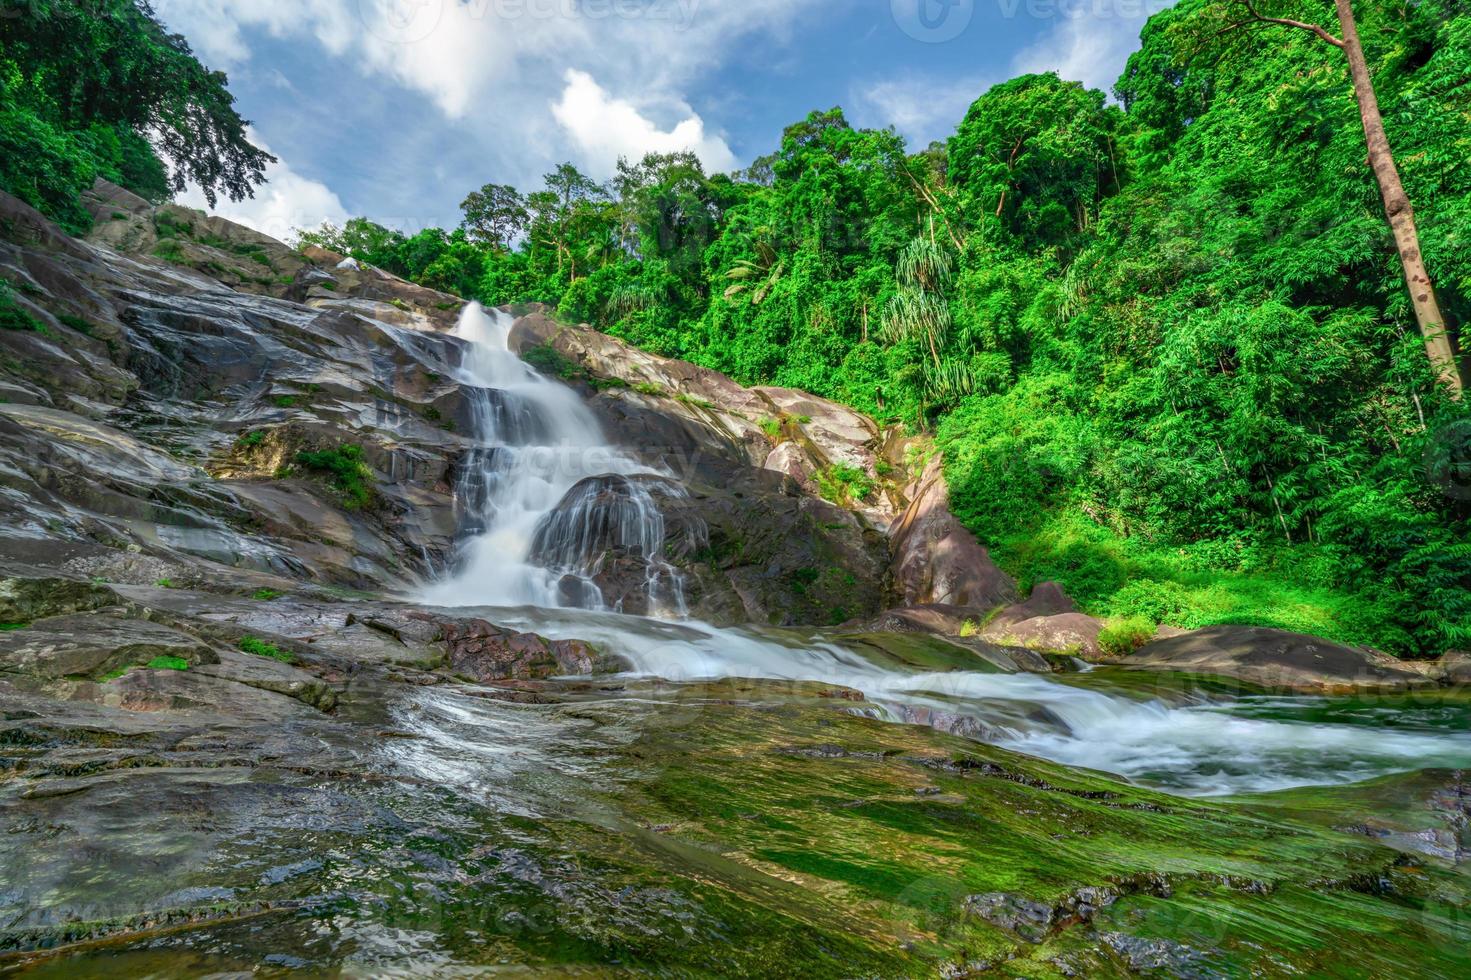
(1397,208)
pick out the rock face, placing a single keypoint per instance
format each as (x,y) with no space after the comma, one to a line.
(152,422)
(1277,660)
(936,560)
(757,463)
(155,428)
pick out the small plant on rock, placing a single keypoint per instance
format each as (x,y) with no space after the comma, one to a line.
(260,648)
(345,472)
(843,484)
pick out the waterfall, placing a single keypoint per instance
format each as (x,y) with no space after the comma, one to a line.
(552,514)
(547,506)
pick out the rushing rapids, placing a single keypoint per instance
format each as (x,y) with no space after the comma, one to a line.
(547,501)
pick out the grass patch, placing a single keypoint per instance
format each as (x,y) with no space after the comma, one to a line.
(167,663)
(251,439)
(165,583)
(649,388)
(691,400)
(260,648)
(266,595)
(550,361)
(285,401)
(771,427)
(344,470)
(843,484)
(76,323)
(12,627)
(1185,586)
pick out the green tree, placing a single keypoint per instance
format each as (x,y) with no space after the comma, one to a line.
(79,63)
(494,215)
(1397,208)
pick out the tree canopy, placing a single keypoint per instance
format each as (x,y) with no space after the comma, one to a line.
(94,88)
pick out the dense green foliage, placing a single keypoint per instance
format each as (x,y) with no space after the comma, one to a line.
(344,469)
(1164,344)
(98,88)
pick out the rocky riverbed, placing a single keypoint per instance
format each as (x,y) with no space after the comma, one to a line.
(234,736)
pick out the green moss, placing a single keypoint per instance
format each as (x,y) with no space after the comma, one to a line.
(266,595)
(76,323)
(550,361)
(167,663)
(165,583)
(260,258)
(251,440)
(12,627)
(260,648)
(688,399)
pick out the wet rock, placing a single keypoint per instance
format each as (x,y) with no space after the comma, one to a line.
(1454,669)
(1144,955)
(485,653)
(92,646)
(1029,920)
(1278,660)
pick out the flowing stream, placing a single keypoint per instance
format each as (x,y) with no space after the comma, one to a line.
(546,499)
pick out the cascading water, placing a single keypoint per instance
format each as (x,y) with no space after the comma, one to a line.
(547,502)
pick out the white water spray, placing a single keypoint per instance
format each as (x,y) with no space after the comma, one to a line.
(545,500)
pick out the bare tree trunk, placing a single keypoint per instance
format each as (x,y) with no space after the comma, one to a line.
(1397,208)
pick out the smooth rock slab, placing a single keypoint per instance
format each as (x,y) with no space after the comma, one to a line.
(1277,660)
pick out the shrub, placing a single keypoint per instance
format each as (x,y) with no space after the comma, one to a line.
(345,471)
(843,484)
(167,663)
(1122,637)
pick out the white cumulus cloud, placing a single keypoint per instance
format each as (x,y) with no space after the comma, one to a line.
(1090,41)
(921,109)
(286,202)
(603,128)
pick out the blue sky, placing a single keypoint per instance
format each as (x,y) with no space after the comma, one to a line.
(397,108)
